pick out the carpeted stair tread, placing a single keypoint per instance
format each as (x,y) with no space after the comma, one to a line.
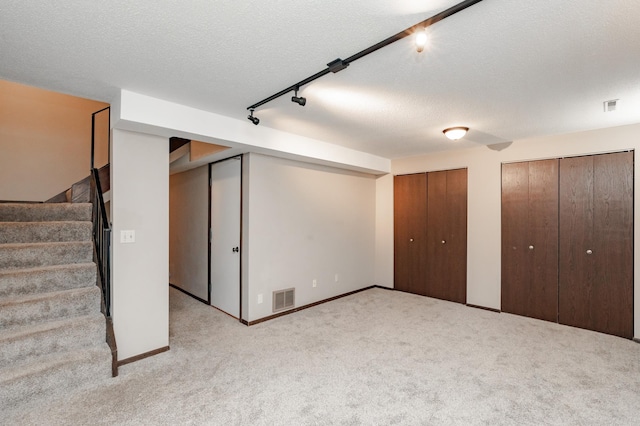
(39,232)
(25,344)
(52,333)
(29,255)
(41,212)
(45,279)
(29,309)
(58,373)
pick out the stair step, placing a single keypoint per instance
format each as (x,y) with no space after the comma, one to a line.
(18,311)
(40,232)
(69,370)
(52,334)
(47,279)
(44,212)
(26,344)
(30,255)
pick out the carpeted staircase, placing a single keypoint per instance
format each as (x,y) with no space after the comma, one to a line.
(52,333)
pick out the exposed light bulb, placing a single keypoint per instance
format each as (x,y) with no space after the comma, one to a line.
(421,39)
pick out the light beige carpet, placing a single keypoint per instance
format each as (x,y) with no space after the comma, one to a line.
(374,358)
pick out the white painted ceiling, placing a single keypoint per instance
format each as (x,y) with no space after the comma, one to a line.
(508,69)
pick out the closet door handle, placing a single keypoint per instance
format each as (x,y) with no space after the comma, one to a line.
(530,247)
(444,242)
(410,240)
(589,251)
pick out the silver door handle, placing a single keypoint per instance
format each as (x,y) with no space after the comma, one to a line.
(589,252)
(443,242)
(530,247)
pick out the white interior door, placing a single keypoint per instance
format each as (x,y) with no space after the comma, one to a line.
(225,235)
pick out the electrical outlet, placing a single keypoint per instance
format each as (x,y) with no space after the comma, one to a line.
(315,283)
(260,300)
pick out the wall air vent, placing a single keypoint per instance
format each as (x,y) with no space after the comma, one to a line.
(610,106)
(284,299)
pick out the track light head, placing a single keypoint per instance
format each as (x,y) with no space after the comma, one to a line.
(254,120)
(299,100)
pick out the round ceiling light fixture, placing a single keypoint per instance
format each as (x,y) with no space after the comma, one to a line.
(455,133)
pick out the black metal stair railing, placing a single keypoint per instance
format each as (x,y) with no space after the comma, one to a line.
(102,240)
(101,225)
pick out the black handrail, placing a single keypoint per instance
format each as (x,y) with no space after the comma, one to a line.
(102,240)
(93,134)
(101,226)
(102,236)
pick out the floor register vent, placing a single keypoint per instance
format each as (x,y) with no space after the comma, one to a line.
(284,299)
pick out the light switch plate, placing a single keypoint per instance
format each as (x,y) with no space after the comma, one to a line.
(127,236)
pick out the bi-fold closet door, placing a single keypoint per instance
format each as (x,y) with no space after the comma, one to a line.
(530,239)
(430,234)
(567,241)
(410,232)
(596,243)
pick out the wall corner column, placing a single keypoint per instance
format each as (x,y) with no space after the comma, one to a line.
(140,269)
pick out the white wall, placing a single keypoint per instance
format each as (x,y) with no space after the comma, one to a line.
(484,165)
(140,202)
(305,222)
(384,233)
(45,141)
(189,231)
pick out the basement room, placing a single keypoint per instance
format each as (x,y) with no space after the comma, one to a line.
(319,213)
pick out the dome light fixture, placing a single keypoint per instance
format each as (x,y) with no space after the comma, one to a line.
(421,39)
(455,133)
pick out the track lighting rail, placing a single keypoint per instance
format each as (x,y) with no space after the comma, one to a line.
(340,64)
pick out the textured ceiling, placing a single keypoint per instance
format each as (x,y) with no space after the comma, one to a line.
(508,69)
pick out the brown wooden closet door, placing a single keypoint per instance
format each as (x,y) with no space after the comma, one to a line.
(530,239)
(410,242)
(596,243)
(543,237)
(437,268)
(447,235)
(515,217)
(456,240)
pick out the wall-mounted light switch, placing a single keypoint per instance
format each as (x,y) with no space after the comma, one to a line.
(128,236)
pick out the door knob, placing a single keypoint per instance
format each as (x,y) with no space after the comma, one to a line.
(410,239)
(589,252)
(530,247)
(443,241)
